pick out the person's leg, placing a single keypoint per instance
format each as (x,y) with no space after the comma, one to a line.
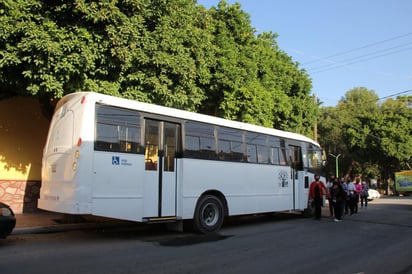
(331,207)
(335,208)
(318,208)
(346,206)
(356,204)
(352,205)
(338,210)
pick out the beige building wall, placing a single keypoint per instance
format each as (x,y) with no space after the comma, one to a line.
(23,131)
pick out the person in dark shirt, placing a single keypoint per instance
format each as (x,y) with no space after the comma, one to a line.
(338,196)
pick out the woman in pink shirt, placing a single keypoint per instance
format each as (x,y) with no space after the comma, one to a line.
(358,188)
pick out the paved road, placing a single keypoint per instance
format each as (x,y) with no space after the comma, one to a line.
(377,240)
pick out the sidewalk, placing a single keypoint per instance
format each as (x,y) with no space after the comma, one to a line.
(44,222)
(40,218)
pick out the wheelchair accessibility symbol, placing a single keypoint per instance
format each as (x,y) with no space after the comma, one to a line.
(115,160)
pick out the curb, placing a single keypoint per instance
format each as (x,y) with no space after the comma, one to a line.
(62,228)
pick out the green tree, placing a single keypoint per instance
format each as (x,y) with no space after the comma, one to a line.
(174,53)
(148,50)
(253,80)
(358,109)
(373,139)
(394,129)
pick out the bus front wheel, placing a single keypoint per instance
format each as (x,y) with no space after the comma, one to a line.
(209,215)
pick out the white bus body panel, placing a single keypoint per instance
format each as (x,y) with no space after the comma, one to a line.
(115,184)
(118,185)
(245,189)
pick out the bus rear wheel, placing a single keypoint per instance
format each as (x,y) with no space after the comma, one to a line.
(209,215)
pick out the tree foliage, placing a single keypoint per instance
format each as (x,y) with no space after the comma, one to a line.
(374,139)
(173,53)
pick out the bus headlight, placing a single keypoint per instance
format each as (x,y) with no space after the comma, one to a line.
(74,166)
(77,154)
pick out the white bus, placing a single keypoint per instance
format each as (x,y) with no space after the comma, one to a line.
(118,158)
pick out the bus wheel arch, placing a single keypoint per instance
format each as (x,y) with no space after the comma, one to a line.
(210,211)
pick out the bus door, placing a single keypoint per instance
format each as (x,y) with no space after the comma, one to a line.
(296,165)
(161,144)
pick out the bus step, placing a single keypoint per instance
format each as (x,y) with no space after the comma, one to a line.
(160,219)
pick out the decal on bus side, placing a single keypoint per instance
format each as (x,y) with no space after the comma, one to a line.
(116,161)
(283,178)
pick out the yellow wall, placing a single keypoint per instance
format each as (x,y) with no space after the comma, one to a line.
(23,131)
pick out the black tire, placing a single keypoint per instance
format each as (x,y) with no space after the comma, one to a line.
(209,215)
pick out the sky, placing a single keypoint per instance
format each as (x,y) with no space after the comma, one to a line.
(342,44)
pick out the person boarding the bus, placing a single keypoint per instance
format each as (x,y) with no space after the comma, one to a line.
(316,191)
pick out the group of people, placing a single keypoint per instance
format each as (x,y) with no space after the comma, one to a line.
(343,195)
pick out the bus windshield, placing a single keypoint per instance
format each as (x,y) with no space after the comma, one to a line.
(315,159)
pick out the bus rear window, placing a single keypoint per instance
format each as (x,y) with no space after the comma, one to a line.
(61,132)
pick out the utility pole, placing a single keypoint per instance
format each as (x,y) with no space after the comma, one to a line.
(315,126)
(337,163)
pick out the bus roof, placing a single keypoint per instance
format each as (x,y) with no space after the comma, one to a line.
(181,114)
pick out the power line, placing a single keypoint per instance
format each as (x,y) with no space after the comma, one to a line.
(361,58)
(379,99)
(396,94)
(359,48)
(359,61)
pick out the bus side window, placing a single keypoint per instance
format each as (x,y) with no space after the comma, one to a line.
(237,154)
(230,144)
(192,145)
(117,130)
(105,137)
(207,148)
(257,150)
(274,156)
(263,157)
(224,150)
(200,141)
(277,151)
(251,153)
